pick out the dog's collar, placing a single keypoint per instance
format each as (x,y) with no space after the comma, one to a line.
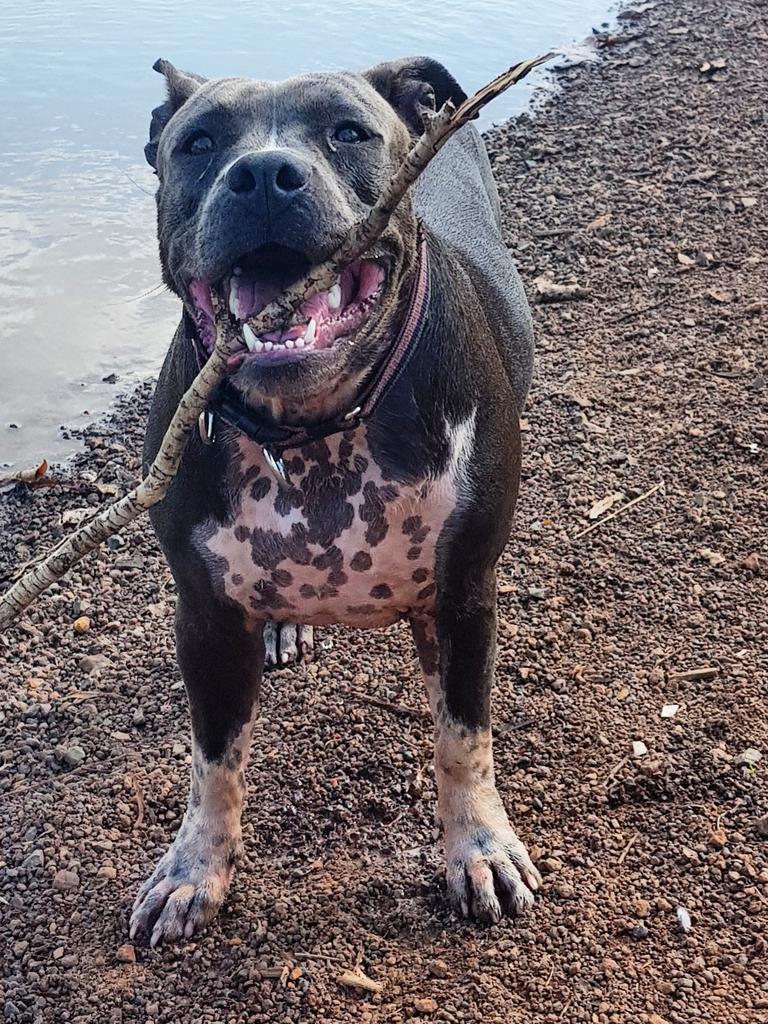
(275,438)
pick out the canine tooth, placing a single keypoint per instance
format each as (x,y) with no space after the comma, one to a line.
(253,343)
(334,297)
(289,343)
(309,334)
(234,297)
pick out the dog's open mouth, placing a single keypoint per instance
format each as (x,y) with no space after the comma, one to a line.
(257,278)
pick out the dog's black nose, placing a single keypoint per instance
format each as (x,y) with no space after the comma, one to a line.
(278,173)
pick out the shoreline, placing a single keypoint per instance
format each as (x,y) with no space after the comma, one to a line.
(634,181)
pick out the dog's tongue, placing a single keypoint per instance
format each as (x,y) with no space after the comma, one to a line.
(249,295)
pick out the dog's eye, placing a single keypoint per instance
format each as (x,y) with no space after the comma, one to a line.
(198,143)
(348,131)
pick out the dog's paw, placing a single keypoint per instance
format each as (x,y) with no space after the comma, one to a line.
(286,643)
(185,890)
(489,873)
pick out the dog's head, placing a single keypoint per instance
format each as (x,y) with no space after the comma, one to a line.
(259,181)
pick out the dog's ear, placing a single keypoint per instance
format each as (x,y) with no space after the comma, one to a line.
(413,85)
(181,85)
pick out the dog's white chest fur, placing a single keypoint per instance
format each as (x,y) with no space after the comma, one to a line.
(340,544)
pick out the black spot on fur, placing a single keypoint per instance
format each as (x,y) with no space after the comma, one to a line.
(361,561)
(266,595)
(373,511)
(282,578)
(419,575)
(426,592)
(413,554)
(426,645)
(381,591)
(261,488)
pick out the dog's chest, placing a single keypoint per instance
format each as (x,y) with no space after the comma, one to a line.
(340,543)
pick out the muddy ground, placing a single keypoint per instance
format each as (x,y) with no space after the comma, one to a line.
(643,182)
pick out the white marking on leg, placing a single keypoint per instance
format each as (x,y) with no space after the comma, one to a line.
(191,880)
(488,868)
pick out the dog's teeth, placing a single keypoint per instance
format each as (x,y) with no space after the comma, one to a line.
(299,343)
(259,346)
(234,298)
(289,343)
(309,334)
(334,297)
(268,346)
(253,343)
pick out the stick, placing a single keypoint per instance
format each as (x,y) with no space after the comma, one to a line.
(619,511)
(627,848)
(154,486)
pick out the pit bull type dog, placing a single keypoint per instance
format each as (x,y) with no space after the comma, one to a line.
(361,467)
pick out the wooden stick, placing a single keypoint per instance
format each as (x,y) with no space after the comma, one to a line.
(627,848)
(620,511)
(154,486)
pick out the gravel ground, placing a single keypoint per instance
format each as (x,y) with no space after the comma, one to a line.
(643,183)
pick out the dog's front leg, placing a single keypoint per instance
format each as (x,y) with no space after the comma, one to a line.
(221,663)
(488,870)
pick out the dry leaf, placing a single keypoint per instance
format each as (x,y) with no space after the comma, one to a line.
(684,260)
(548,291)
(599,222)
(747,202)
(631,13)
(713,557)
(604,504)
(752,561)
(30,477)
(75,516)
(718,295)
(356,979)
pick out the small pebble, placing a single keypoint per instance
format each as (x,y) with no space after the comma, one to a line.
(683,919)
(65,881)
(126,954)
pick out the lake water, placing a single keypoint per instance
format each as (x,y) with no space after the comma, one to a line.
(78,265)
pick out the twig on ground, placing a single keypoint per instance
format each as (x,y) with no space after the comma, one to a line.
(704,672)
(627,848)
(385,705)
(139,794)
(615,771)
(640,309)
(152,489)
(620,511)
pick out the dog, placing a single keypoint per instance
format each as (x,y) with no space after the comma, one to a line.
(360,467)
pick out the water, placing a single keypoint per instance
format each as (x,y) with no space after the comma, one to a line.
(78,264)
